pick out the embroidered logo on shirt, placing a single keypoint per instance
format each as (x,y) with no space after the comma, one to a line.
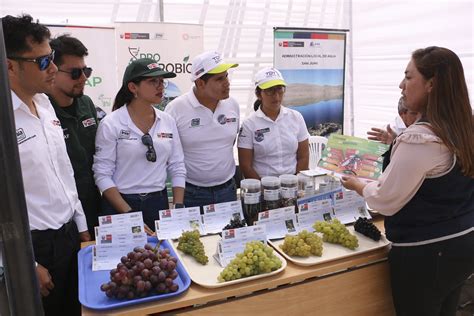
(20,135)
(195,122)
(66,133)
(222,119)
(165,135)
(88,122)
(260,134)
(240,132)
(56,122)
(124,134)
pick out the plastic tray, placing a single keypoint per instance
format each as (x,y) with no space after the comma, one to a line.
(206,275)
(90,281)
(334,251)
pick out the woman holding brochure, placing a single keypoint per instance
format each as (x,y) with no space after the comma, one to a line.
(137,145)
(274,139)
(427,188)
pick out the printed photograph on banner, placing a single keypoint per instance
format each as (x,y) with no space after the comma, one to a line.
(312,63)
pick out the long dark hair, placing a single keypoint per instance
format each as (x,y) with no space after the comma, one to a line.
(258,103)
(448,109)
(124,95)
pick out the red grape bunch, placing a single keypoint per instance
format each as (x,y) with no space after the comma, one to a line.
(144,271)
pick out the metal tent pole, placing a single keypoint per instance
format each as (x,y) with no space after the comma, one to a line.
(22,289)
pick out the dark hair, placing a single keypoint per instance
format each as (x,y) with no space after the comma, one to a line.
(258,103)
(124,95)
(448,109)
(67,45)
(19,31)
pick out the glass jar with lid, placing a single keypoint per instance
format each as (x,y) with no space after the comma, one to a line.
(271,193)
(289,189)
(250,194)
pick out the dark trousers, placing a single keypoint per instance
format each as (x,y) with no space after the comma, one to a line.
(56,250)
(91,205)
(149,204)
(199,196)
(427,280)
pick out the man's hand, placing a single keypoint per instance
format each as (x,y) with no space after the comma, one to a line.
(85,236)
(383,136)
(44,279)
(148,230)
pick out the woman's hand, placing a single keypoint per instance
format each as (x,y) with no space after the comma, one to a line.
(352,183)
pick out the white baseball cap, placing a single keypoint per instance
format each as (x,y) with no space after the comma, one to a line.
(208,63)
(269,77)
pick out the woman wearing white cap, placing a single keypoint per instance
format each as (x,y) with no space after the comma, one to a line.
(274,139)
(137,145)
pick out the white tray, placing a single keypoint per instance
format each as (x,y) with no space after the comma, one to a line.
(334,251)
(206,275)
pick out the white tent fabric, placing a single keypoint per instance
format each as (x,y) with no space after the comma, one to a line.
(382,35)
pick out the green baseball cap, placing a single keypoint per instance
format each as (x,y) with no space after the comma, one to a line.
(144,67)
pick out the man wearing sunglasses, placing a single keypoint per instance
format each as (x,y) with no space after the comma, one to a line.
(78,118)
(55,213)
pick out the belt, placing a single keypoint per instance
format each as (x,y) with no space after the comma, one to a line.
(214,188)
(52,232)
(163,192)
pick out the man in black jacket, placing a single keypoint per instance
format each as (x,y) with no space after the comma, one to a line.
(78,117)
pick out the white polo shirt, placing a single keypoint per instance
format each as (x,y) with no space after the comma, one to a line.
(274,143)
(120,157)
(48,178)
(208,138)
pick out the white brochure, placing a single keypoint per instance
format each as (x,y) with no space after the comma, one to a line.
(279,222)
(174,222)
(123,221)
(307,218)
(217,216)
(106,257)
(349,206)
(314,205)
(115,237)
(234,240)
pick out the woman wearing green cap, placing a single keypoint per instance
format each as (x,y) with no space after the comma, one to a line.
(273,140)
(137,145)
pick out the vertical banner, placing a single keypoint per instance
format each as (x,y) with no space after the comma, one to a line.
(312,62)
(172,46)
(101,86)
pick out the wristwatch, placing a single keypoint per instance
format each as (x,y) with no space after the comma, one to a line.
(179,205)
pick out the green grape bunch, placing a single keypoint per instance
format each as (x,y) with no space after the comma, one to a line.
(257,258)
(303,245)
(336,233)
(190,244)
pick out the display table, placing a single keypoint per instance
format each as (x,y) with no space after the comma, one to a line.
(357,285)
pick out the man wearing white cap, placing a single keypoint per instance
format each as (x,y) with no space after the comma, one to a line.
(274,139)
(208,123)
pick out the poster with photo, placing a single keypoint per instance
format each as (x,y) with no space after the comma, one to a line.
(312,62)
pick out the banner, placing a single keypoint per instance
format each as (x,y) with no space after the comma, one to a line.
(101,86)
(312,62)
(172,46)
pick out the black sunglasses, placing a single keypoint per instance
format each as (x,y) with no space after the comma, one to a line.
(42,61)
(76,73)
(148,141)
